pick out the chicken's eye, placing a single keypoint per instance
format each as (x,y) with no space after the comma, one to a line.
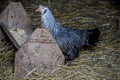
(45,11)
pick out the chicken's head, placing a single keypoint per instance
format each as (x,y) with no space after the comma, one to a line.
(41,9)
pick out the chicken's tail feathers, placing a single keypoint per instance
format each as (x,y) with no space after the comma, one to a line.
(94,36)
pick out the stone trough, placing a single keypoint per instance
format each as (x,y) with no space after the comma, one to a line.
(16,23)
(41,51)
(36,49)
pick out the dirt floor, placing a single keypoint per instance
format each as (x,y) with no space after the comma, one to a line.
(99,63)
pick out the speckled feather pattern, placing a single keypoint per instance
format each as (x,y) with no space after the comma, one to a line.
(69,40)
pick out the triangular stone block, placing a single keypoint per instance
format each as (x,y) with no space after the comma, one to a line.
(41,51)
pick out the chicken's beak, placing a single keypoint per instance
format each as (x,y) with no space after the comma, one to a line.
(38,9)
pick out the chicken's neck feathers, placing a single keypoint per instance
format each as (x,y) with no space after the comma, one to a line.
(50,23)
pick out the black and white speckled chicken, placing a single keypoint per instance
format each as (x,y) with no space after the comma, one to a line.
(69,40)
